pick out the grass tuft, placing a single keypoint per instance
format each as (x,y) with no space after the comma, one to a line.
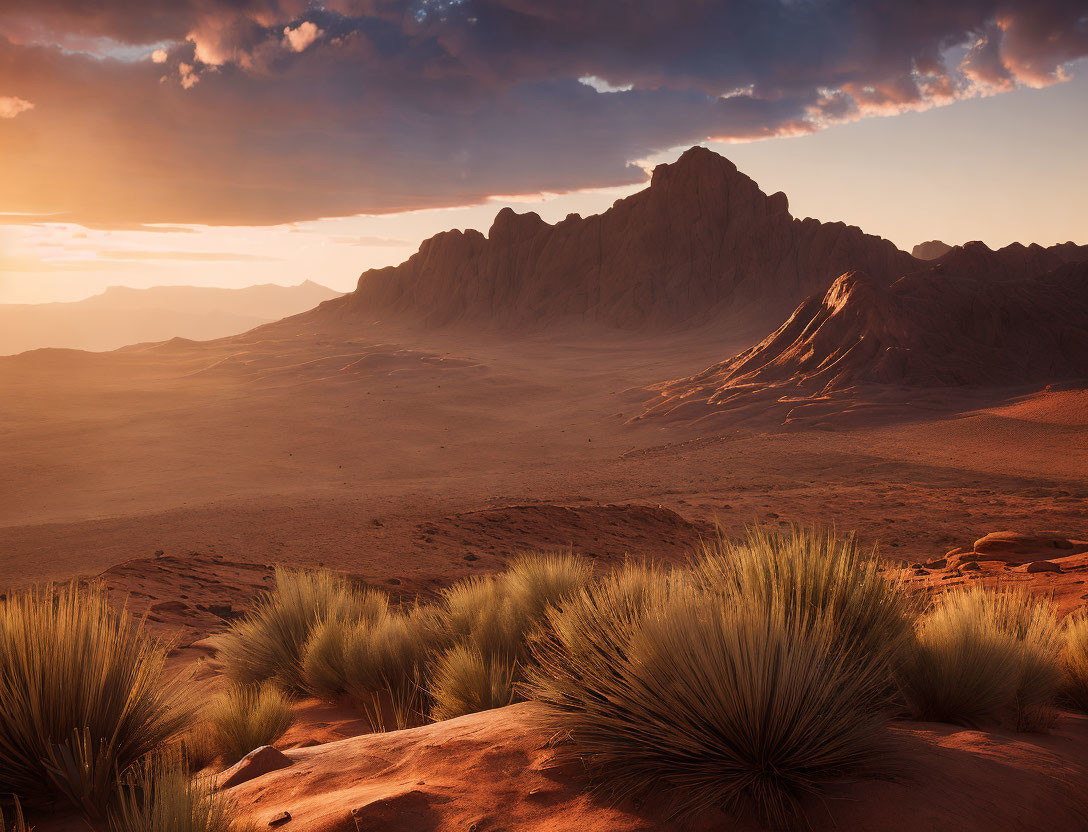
(961,667)
(1074,688)
(721,701)
(466,681)
(158,796)
(246,717)
(269,642)
(82,696)
(812,572)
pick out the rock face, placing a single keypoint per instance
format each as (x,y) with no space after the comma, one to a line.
(930,250)
(702,241)
(927,330)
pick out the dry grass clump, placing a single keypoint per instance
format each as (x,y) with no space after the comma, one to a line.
(158,796)
(721,700)
(814,571)
(1033,625)
(199,746)
(533,581)
(269,642)
(979,653)
(82,696)
(1074,689)
(378,662)
(466,681)
(246,717)
(490,620)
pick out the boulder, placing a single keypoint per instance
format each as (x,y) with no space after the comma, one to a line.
(1039,566)
(256,763)
(1016,547)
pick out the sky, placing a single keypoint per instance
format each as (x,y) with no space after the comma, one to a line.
(232,142)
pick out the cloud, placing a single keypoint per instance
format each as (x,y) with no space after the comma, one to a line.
(11,106)
(301,36)
(187,75)
(159,56)
(306,110)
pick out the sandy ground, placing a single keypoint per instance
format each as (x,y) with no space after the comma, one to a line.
(343,450)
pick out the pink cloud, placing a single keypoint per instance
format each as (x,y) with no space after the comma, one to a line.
(302,36)
(11,106)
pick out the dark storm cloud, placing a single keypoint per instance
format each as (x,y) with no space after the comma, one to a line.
(260,111)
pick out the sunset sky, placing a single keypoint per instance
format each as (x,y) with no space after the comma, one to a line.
(231,142)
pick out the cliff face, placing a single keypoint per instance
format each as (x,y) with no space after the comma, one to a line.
(925,330)
(701,241)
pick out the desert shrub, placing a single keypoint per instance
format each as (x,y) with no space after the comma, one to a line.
(720,700)
(814,571)
(961,667)
(386,661)
(1074,688)
(158,796)
(616,600)
(466,681)
(198,747)
(323,659)
(494,615)
(534,580)
(268,643)
(383,666)
(378,662)
(245,717)
(480,612)
(82,696)
(1032,623)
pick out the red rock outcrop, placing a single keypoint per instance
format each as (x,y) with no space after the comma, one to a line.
(494,771)
(926,330)
(703,240)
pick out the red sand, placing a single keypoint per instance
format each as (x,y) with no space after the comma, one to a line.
(490,771)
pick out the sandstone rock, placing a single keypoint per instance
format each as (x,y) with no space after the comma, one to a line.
(1015,547)
(970,566)
(257,762)
(1040,566)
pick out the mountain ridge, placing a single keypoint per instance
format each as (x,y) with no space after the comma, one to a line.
(702,241)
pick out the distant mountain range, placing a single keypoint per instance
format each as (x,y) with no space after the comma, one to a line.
(121,315)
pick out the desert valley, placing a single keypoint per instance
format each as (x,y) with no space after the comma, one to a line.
(617,386)
(633,500)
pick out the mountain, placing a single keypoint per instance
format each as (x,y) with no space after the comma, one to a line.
(976,260)
(700,243)
(925,330)
(930,250)
(122,315)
